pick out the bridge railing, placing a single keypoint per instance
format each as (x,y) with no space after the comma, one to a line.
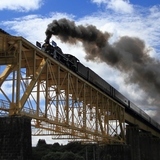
(4,108)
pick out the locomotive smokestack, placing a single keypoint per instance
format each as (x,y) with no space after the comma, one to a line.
(128,54)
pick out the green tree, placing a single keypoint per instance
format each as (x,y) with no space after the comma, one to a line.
(79,157)
(52,156)
(68,156)
(39,152)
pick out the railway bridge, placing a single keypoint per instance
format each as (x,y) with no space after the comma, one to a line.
(40,96)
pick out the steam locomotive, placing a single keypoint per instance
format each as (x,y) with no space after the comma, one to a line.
(76,66)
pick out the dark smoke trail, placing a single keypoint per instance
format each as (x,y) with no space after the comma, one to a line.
(128,54)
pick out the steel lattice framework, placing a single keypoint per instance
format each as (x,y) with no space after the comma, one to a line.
(60,102)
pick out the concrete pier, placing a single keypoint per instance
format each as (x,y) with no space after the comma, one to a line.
(132,139)
(115,152)
(145,145)
(15,138)
(155,148)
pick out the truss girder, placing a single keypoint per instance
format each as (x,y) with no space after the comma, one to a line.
(60,103)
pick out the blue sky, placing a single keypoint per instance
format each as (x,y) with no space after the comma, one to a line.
(79,8)
(118,17)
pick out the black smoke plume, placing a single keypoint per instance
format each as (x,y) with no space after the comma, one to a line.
(128,54)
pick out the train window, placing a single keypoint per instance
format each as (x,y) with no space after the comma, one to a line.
(38,44)
(121,97)
(54,44)
(134,107)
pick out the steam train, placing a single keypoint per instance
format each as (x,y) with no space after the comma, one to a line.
(76,66)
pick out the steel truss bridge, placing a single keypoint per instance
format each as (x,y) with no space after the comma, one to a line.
(59,102)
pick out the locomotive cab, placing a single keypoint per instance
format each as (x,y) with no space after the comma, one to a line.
(72,62)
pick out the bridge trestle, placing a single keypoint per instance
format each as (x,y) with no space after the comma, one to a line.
(60,103)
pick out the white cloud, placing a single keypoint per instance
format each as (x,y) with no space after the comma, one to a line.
(20,5)
(121,6)
(99,1)
(33,27)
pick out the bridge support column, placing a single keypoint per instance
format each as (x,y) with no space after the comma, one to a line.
(15,138)
(155,148)
(145,140)
(115,152)
(132,139)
